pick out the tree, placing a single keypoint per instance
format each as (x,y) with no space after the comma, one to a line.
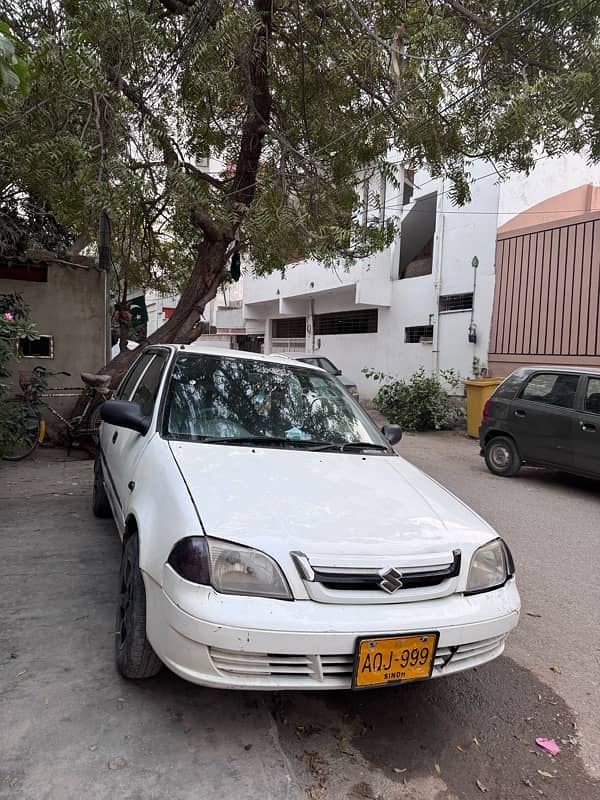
(298,98)
(14,73)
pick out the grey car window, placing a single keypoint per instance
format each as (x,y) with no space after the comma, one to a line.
(552,388)
(130,380)
(592,396)
(328,366)
(146,392)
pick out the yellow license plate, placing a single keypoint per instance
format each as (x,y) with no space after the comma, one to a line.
(393,659)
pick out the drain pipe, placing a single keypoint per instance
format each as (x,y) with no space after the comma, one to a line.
(438,255)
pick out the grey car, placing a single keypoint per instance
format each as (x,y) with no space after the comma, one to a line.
(325,363)
(546,417)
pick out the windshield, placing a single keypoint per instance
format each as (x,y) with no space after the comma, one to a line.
(223,397)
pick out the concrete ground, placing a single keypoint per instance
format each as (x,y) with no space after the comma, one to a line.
(71,728)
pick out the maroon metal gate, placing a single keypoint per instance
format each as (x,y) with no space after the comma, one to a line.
(547,296)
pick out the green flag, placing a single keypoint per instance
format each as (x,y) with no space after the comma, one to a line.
(139,313)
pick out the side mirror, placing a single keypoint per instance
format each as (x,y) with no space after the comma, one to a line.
(393,433)
(338,372)
(124,414)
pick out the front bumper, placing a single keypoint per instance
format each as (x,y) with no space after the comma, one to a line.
(257,643)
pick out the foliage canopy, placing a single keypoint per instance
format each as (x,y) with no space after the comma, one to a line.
(295,98)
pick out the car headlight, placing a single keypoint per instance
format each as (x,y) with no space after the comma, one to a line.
(229,568)
(491,566)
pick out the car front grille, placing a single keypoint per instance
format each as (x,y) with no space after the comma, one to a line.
(449,659)
(335,671)
(351,584)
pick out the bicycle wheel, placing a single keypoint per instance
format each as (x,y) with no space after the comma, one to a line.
(95,420)
(21,429)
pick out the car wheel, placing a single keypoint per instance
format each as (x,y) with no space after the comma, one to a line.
(502,457)
(100,504)
(134,655)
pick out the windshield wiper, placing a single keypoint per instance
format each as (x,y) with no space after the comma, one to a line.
(276,441)
(341,448)
(241,440)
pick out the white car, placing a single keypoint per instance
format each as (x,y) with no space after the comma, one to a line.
(272,538)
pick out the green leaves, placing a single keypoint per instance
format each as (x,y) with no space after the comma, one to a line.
(497,84)
(419,404)
(14,71)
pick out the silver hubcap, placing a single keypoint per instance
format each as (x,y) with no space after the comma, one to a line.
(500,456)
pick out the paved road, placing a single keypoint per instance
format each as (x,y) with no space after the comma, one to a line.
(552,523)
(72,728)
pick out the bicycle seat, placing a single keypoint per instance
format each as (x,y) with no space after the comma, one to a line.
(96,381)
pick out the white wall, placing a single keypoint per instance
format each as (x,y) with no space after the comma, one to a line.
(550,176)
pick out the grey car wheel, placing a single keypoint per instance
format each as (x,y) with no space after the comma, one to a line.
(502,457)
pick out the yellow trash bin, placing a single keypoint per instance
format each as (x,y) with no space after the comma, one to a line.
(478,391)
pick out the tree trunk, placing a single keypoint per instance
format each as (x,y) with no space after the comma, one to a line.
(124,323)
(182,327)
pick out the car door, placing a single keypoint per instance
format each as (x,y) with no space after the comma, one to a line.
(108,431)
(124,447)
(543,417)
(586,457)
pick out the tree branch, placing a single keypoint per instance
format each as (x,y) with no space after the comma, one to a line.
(177,6)
(259,110)
(205,222)
(171,157)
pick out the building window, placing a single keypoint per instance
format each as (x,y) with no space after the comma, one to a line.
(15,270)
(409,185)
(417,231)
(456,302)
(418,333)
(360,321)
(289,328)
(37,348)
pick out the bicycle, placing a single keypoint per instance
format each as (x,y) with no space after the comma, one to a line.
(25,427)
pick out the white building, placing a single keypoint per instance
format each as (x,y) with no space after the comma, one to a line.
(425,301)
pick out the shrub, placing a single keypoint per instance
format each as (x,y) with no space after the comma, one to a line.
(14,325)
(420,403)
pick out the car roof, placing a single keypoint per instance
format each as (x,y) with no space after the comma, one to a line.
(203,348)
(527,370)
(297,356)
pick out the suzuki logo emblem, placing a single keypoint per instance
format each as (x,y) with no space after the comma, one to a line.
(391,580)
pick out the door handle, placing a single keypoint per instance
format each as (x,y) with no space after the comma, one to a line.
(115,436)
(519,413)
(586,426)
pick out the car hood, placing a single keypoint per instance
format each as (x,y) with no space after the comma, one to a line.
(331,506)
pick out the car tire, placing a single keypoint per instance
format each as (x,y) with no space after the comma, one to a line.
(134,655)
(100,504)
(502,457)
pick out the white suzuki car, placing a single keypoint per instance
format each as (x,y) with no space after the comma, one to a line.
(272,539)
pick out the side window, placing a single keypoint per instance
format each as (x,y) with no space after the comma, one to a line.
(592,396)
(326,364)
(146,392)
(130,380)
(509,387)
(552,389)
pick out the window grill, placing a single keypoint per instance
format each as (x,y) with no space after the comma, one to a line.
(359,321)
(418,333)
(456,302)
(289,328)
